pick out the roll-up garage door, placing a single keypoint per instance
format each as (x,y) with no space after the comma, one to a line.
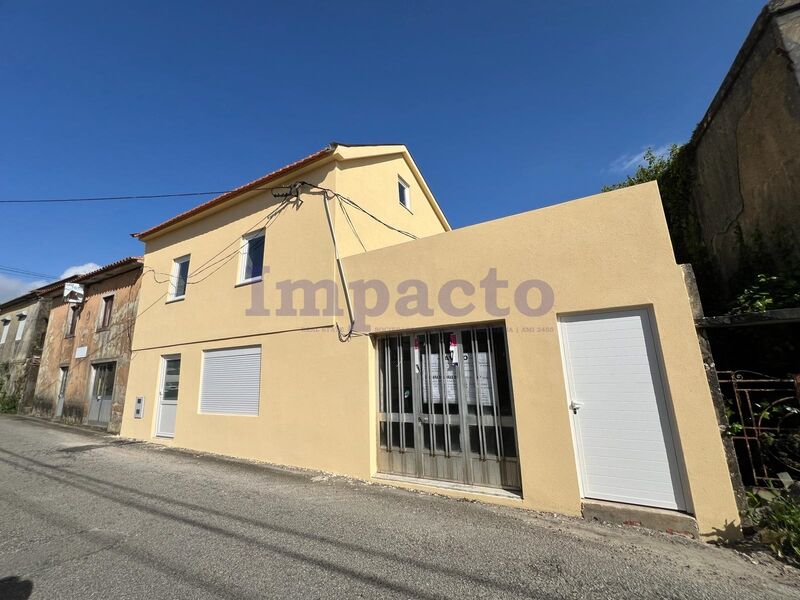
(231,381)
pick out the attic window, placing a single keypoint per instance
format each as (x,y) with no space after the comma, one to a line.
(404,193)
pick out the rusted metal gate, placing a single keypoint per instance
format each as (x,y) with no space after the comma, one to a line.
(764,424)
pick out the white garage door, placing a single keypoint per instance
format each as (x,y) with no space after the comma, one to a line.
(622,430)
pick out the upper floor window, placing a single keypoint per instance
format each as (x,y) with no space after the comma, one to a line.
(6,325)
(20,326)
(180,275)
(73,320)
(252,259)
(404,193)
(105,316)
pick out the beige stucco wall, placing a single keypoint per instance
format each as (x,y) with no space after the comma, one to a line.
(317,406)
(315,411)
(372,182)
(604,252)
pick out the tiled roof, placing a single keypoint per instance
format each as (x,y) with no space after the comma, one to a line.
(311,158)
(51,287)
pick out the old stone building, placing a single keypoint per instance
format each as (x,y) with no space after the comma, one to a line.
(745,191)
(87,348)
(23,321)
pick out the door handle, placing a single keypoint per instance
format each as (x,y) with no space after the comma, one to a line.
(575,406)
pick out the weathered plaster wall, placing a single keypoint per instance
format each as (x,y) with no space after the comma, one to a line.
(747,182)
(19,359)
(102,345)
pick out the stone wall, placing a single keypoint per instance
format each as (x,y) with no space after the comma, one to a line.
(746,190)
(19,359)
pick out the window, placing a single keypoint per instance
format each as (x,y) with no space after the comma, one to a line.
(4,335)
(252,261)
(231,381)
(105,316)
(73,320)
(404,193)
(180,275)
(62,381)
(20,326)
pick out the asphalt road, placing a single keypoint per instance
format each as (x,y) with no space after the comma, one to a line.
(84,515)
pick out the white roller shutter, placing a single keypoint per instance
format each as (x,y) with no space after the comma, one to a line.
(231,381)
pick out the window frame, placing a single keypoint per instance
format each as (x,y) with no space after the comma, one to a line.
(21,321)
(404,197)
(63,374)
(244,254)
(105,312)
(173,284)
(6,321)
(72,320)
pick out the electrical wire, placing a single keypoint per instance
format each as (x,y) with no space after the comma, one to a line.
(25,273)
(350,222)
(266,221)
(355,205)
(116,198)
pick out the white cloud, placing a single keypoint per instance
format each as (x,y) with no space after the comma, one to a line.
(79,269)
(11,287)
(628,162)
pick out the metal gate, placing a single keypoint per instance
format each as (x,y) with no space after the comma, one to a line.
(446,408)
(764,423)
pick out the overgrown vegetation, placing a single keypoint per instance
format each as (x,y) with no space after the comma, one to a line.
(778,519)
(675,175)
(768,292)
(653,169)
(8,398)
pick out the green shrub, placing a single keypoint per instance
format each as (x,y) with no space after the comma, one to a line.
(8,399)
(778,519)
(768,292)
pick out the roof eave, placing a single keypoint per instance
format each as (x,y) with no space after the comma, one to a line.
(293,168)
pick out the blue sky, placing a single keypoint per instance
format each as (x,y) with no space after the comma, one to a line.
(506,106)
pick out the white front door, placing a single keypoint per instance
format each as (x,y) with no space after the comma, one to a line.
(168,396)
(617,400)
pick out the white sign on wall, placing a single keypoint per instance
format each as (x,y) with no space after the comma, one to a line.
(80,352)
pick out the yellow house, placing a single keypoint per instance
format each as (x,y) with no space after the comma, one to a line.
(325,316)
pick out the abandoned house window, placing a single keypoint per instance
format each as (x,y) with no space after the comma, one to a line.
(231,380)
(4,335)
(252,261)
(180,275)
(404,193)
(108,306)
(20,326)
(73,321)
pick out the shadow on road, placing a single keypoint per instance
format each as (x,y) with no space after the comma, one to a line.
(14,588)
(143,501)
